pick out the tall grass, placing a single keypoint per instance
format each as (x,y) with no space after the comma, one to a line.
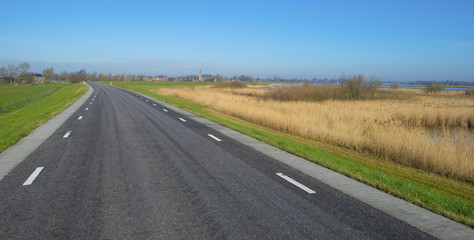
(469,92)
(377,126)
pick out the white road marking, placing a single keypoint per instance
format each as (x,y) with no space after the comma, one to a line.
(165,110)
(147,100)
(154,104)
(67,134)
(182,119)
(292,181)
(33,176)
(79,118)
(214,137)
(87,109)
(91,102)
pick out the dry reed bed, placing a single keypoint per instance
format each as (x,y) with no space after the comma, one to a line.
(431,111)
(377,126)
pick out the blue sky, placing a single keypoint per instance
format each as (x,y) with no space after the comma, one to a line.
(392,40)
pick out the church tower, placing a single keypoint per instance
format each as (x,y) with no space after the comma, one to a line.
(200,75)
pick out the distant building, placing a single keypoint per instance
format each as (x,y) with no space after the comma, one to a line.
(39,78)
(200,75)
(172,79)
(160,78)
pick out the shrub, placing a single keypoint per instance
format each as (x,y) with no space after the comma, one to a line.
(433,88)
(233,84)
(355,87)
(358,87)
(470,92)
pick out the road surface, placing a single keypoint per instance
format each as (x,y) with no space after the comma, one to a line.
(125,167)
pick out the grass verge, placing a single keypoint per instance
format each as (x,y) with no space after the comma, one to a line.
(18,123)
(446,196)
(12,92)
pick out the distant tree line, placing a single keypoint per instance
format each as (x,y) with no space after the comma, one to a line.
(20,74)
(355,86)
(15,74)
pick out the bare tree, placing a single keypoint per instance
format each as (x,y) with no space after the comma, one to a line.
(93,76)
(128,78)
(63,76)
(28,77)
(116,77)
(74,78)
(433,87)
(219,78)
(82,75)
(251,80)
(4,74)
(48,74)
(24,67)
(104,77)
(13,72)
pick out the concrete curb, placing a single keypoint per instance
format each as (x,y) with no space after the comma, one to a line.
(15,154)
(424,220)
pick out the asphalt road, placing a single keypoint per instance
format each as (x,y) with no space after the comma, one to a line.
(124,167)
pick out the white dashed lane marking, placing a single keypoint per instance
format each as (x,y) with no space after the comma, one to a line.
(67,134)
(214,137)
(292,181)
(33,176)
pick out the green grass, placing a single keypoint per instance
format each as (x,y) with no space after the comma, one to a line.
(19,122)
(445,196)
(10,92)
(13,96)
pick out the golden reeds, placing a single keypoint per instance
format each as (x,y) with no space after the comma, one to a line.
(392,129)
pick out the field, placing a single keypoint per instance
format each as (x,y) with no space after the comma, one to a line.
(327,134)
(11,92)
(12,95)
(19,122)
